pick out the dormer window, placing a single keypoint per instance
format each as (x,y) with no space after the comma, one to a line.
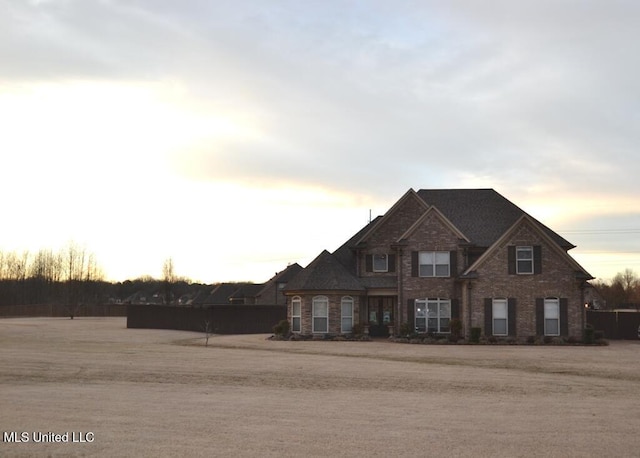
(380,263)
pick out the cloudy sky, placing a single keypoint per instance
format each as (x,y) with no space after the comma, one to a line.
(239,136)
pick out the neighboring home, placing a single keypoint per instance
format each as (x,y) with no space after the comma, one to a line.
(269,293)
(437,255)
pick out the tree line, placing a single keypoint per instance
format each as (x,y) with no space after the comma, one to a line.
(622,291)
(72,277)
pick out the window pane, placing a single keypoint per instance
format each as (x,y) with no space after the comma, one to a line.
(426,270)
(442,270)
(421,325)
(432,309)
(442,257)
(500,326)
(445,309)
(295,324)
(499,308)
(320,308)
(379,262)
(347,308)
(551,327)
(551,308)
(319,325)
(432,325)
(426,257)
(525,267)
(296,309)
(524,253)
(421,309)
(347,324)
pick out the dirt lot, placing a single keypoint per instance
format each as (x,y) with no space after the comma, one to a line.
(163,393)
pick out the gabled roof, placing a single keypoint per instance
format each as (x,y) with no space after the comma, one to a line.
(282,277)
(483,215)
(344,254)
(439,215)
(580,271)
(324,273)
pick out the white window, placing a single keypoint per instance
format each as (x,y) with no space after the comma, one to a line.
(524,259)
(500,317)
(432,315)
(296,314)
(346,323)
(380,263)
(552,316)
(320,312)
(434,263)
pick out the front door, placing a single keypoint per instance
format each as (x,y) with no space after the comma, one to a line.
(380,315)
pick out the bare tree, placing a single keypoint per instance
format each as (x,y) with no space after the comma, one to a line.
(168,279)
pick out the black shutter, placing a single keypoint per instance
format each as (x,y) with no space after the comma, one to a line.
(564,317)
(488,317)
(392,262)
(455,309)
(511,259)
(453,264)
(369,263)
(537,259)
(414,263)
(511,314)
(411,313)
(539,316)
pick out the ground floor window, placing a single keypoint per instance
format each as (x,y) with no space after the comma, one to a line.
(296,314)
(346,307)
(320,312)
(432,315)
(500,317)
(552,316)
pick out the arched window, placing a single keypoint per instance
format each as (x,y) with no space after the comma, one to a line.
(346,307)
(552,316)
(320,314)
(296,314)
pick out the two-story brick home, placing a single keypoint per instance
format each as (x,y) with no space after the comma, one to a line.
(437,255)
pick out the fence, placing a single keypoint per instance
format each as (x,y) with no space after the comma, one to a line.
(222,319)
(59,310)
(617,324)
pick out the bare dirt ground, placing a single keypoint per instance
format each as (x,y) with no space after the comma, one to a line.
(163,393)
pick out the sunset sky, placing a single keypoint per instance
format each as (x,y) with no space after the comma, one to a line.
(239,136)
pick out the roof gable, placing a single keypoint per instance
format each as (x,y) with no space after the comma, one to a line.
(540,230)
(409,196)
(325,273)
(445,221)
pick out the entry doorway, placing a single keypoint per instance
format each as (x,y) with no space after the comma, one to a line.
(380,314)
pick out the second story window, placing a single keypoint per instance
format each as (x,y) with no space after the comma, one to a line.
(434,263)
(380,263)
(524,259)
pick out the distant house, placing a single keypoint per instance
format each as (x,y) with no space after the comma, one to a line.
(439,255)
(243,293)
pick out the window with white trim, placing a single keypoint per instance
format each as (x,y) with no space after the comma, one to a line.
(552,316)
(346,320)
(380,263)
(524,259)
(320,314)
(500,317)
(296,314)
(432,315)
(434,263)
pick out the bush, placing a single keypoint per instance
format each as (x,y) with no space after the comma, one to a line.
(282,328)
(475,335)
(456,328)
(405,330)
(589,335)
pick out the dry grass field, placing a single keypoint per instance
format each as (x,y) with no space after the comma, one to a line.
(163,393)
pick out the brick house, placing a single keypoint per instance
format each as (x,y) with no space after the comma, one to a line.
(437,255)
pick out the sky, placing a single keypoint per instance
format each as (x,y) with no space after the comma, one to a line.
(237,137)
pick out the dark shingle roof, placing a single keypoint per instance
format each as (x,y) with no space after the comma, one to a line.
(483,215)
(325,273)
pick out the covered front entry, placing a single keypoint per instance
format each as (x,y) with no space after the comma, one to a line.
(380,315)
